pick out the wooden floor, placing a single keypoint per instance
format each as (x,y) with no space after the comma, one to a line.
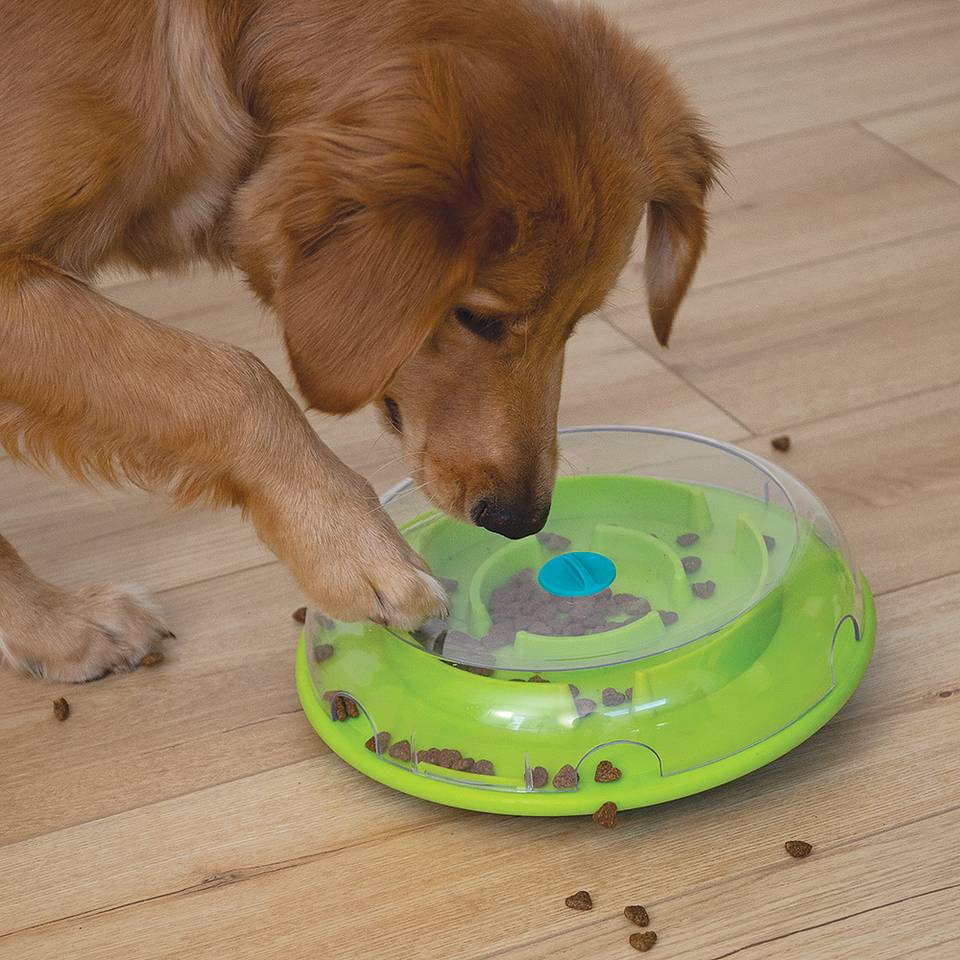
(189,811)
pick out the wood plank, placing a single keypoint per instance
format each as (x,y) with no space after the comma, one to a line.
(930,133)
(669,24)
(807,197)
(254,852)
(766,906)
(809,342)
(890,474)
(853,62)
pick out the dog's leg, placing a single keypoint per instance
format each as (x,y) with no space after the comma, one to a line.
(71,635)
(109,392)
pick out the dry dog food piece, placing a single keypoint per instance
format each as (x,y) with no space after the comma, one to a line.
(690,564)
(781,443)
(574,690)
(352,709)
(638,915)
(585,706)
(378,743)
(400,750)
(687,539)
(449,758)
(566,778)
(581,900)
(152,659)
(477,671)
(539,777)
(628,693)
(643,941)
(300,614)
(612,698)
(339,708)
(322,651)
(553,541)
(536,678)
(606,772)
(61,709)
(606,815)
(464,764)
(668,617)
(428,756)
(484,767)
(770,542)
(798,849)
(703,589)
(433,634)
(449,585)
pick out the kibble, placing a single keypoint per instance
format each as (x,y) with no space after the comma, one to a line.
(781,443)
(581,900)
(566,778)
(322,651)
(585,706)
(353,710)
(536,678)
(539,777)
(574,690)
(400,750)
(464,764)
(300,614)
(378,742)
(61,709)
(703,589)
(606,772)
(798,849)
(770,542)
(628,693)
(637,914)
(449,758)
(428,756)
(687,539)
(612,698)
(668,617)
(339,708)
(553,541)
(606,815)
(690,564)
(643,941)
(484,767)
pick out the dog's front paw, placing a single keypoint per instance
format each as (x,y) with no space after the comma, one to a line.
(78,635)
(350,558)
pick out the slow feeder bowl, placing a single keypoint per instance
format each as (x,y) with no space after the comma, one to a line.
(690,612)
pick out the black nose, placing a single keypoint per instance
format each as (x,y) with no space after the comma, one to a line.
(509,520)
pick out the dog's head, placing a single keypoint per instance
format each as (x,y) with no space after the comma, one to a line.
(451,220)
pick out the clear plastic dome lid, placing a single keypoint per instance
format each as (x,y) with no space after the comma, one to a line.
(677,580)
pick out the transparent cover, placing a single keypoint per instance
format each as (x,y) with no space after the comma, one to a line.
(731,589)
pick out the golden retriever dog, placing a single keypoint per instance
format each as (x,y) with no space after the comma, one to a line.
(429,194)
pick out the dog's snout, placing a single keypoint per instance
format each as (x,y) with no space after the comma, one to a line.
(513,520)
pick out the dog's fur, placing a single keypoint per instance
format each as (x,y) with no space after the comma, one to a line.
(428,193)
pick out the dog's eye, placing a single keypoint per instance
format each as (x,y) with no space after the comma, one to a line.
(393,413)
(490,328)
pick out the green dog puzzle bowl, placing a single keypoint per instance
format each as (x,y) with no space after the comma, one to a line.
(689,613)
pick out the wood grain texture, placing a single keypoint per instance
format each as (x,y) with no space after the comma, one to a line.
(930,133)
(189,811)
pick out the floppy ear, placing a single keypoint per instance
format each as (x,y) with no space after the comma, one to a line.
(374,221)
(677,221)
